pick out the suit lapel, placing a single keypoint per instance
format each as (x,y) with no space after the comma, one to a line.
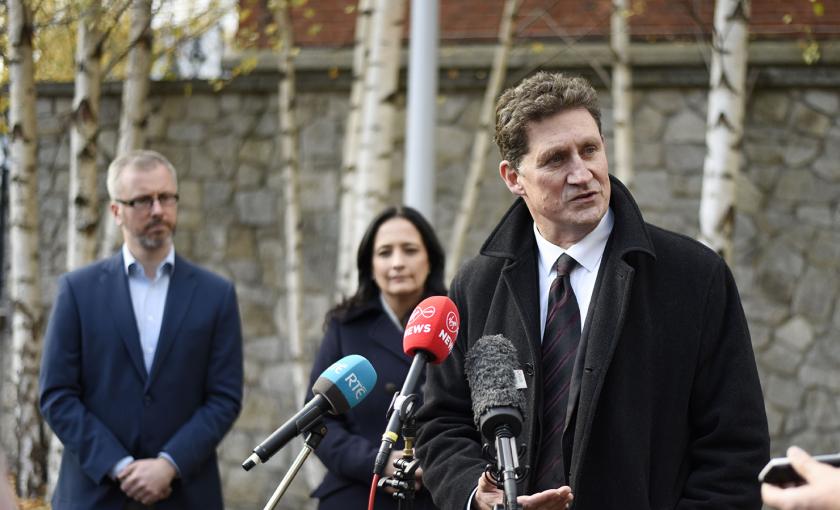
(181,288)
(118,298)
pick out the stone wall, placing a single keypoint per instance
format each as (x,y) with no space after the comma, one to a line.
(224,145)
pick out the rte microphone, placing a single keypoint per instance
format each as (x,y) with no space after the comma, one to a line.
(429,336)
(340,387)
(497,406)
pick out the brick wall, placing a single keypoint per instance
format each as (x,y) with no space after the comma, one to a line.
(331,23)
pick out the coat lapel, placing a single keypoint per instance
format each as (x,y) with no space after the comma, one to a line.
(521,279)
(610,300)
(513,239)
(383,332)
(178,297)
(600,339)
(118,298)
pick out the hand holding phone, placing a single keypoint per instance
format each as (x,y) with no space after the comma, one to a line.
(813,484)
(780,472)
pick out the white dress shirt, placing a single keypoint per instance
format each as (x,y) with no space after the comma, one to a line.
(587,252)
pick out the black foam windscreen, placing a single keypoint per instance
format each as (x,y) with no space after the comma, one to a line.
(489,367)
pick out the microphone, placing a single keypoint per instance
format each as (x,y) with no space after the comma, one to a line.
(339,388)
(429,336)
(497,405)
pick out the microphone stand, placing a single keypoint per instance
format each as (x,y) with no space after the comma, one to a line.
(314,434)
(406,466)
(502,425)
(507,466)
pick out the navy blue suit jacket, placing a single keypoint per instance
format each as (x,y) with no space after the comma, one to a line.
(102,404)
(349,449)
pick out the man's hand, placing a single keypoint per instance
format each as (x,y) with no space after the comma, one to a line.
(147,480)
(488,495)
(547,500)
(821,490)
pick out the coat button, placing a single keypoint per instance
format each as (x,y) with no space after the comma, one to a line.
(147,400)
(529,369)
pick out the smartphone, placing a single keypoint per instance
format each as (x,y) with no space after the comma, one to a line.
(779,471)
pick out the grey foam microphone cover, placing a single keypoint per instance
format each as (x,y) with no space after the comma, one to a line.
(489,367)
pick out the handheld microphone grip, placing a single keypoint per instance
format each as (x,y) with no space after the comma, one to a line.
(340,387)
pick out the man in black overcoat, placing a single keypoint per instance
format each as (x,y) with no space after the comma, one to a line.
(664,409)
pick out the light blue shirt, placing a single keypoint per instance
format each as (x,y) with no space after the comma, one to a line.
(148,299)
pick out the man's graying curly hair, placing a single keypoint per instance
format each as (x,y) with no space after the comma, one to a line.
(534,99)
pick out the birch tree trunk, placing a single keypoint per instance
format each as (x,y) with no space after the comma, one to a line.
(289,142)
(724,129)
(347,196)
(486,122)
(135,95)
(82,210)
(83,214)
(377,124)
(24,290)
(622,92)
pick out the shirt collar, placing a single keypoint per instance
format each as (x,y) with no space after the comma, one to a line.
(390,313)
(587,252)
(129,260)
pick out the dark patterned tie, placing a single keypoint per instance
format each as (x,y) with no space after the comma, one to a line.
(559,347)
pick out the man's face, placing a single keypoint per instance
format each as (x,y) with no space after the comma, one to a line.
(564,176)
(148,229)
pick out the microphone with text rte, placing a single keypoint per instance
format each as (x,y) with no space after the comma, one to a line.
(429,336)
(338,389)
(498,407)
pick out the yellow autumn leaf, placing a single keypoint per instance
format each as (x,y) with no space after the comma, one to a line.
(314,29)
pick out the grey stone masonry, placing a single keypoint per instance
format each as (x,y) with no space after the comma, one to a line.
(224,144)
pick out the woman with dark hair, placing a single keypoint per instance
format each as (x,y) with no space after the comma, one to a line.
(400,262)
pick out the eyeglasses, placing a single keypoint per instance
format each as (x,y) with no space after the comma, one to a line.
(146,202)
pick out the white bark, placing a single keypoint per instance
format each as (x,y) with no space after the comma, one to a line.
(622,92)
(377,124)
(293,268)
(24,289)
(347,197)
(135,95)
(486,123)
(724,130)
(83,214)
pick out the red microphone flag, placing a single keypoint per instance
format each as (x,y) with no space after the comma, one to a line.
(432,328)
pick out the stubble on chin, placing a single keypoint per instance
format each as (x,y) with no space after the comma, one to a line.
(156,242)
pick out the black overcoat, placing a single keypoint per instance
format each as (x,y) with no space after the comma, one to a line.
(669,412)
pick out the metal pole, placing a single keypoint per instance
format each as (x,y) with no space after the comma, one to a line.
(420,169)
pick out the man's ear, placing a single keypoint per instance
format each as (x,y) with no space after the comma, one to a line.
(115,212)
(511,178)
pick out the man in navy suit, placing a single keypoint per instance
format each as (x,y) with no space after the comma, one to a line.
(141,375)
